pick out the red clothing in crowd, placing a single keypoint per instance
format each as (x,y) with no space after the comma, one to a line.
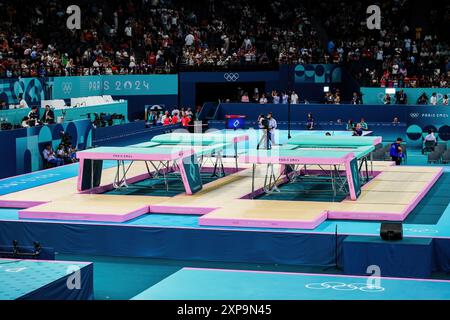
(185,121)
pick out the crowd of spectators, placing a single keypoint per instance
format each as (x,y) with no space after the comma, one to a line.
(183,116)
(402,53)
(164,36)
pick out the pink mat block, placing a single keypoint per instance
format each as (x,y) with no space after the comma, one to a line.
(83,216)
(20,204)
(259,223)
(342,215)
(181,210)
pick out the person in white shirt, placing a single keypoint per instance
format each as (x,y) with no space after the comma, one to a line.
(430,137)
(263,99)
(272,128)
(284,98)
(189,40)
(276,97)
(294,98)
(433,99)
(22,102)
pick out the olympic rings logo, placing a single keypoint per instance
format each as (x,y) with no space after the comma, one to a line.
(341,286)
(231,77)
(66,87)
(420,230)
(414,115)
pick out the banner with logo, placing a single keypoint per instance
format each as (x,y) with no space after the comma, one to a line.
(376,95)
(317,73)
(122,85)
(32,90)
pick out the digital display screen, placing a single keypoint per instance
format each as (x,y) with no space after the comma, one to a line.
(235,123)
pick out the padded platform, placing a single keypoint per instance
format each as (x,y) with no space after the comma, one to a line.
(44,280)
(210,284)
(86,207)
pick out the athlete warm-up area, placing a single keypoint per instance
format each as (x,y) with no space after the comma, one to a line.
(222,219)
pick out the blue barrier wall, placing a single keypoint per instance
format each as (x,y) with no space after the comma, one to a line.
(420,115)
(376,95)
(24,146)
(413,119)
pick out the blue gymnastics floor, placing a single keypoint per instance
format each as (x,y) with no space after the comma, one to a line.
(210,284)
(32,279)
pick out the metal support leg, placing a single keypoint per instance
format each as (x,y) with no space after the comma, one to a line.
(253,178)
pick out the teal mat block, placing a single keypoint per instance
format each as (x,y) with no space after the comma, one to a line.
(21,277)
(209,284)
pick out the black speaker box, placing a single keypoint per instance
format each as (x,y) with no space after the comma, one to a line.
(391,231)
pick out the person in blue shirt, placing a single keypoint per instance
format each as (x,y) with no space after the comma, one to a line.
(396,151)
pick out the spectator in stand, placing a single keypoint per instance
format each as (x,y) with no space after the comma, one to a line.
(175,119)
(3,105)
(22,102)
(433,99)
(285,98)
(245,98)
(275,97)
(355,99)
(401,97)
(423,99)
(337,98)
(294,98)
(263,99)
(329,98)
(166,119)
(185,120)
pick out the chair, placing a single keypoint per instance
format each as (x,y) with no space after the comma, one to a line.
(446,157)
(405,152)
(428,146)
(434,157)
(441,147)
(379,155)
